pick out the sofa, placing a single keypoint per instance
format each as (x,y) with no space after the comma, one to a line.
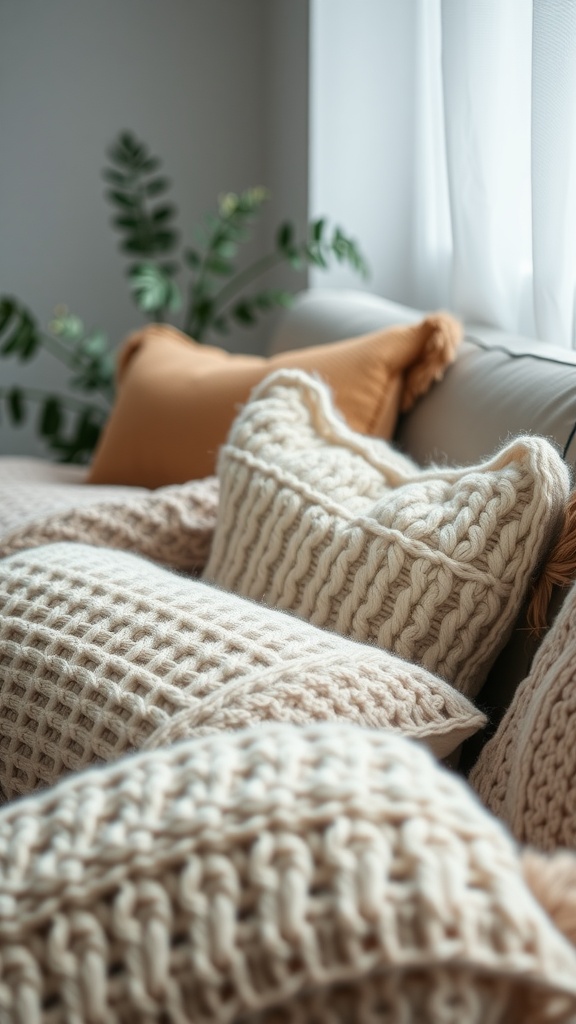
(214,811)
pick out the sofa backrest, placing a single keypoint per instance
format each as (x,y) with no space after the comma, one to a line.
(501,385)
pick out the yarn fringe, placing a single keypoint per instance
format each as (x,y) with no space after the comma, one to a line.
(438,350)
(559,570)
(552,880)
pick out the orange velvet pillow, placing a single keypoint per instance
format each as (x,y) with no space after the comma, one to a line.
(177,399)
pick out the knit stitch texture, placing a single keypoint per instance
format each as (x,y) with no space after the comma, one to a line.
(102,652)
(526,774)
(173,525)
(31,489)
(326,874)
(342,530)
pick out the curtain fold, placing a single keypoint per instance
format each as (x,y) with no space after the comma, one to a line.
(483,208)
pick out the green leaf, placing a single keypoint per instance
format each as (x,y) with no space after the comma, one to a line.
(151,163)
(153,289)
(165,240)
(243,312)
(127,220)
(318,229)
(163,213)
(285,237)
(29,342)
(51,417)
(225,249)
(136,245)
(124,199)
(156,186)
(67,325)
(116,177)
(7,310)
(16,409)
(95,344)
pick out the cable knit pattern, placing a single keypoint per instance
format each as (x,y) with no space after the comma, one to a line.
(173,525)
(526,774)
(321,874)
(340,529)
(102,652)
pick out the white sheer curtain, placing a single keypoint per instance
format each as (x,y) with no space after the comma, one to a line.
(443,133)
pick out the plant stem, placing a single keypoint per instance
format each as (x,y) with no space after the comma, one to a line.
(72,403)
(57,349)
(239,281)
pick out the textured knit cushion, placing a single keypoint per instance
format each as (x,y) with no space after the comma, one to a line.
(276,875)
(526,774)
(177,399)
(340,529)
(102,652)
(173,525)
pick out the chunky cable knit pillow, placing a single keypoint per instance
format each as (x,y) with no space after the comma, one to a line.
(102,652)
(526,774)
(340,529)
(321,874)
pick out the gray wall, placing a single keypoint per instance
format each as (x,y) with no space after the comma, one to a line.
(218,88)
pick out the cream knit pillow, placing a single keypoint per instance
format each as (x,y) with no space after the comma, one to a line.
(526,774)
(102,652)
(328,874)
(342,530)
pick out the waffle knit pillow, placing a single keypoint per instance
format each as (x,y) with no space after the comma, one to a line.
(526,774)
(278,874)
(177,399)
(102,652)
(340,529)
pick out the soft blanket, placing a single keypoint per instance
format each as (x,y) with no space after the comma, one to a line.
(42,504)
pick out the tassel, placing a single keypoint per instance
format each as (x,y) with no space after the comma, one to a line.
(559,570)
(552,880)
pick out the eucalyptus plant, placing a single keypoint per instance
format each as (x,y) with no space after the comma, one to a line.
(202,288)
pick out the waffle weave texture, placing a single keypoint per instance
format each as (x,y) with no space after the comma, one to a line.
(325,874)
(341,530)
(102,652)
(526,774)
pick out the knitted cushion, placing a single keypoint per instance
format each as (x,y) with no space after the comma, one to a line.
(323,874)
(177,399)
(173,525)
(340,529)
(102,652)
(527,772)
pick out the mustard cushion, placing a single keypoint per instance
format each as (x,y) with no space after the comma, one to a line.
(177,399)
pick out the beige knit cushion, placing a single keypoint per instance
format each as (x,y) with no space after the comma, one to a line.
(325,874)
(338,528)
(526,774)
(102,652)
(172,525)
